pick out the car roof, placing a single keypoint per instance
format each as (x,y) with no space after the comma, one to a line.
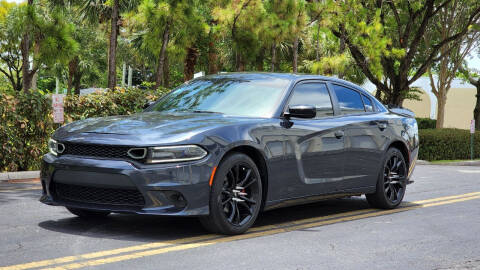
(287,76)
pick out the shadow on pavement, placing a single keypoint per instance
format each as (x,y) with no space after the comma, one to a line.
(157,228)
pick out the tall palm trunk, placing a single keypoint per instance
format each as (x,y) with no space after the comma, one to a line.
(212,54)
(27,74)
(161,57)
(259,59)
(112,50)
(295,54)
(190,62)
(274,57)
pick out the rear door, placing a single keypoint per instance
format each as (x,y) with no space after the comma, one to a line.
(364,138)
(315,145)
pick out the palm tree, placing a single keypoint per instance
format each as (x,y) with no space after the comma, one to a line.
(101,11)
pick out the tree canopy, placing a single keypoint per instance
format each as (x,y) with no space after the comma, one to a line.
(85,43)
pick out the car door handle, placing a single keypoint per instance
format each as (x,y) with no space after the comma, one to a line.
(339,134)
(382,126)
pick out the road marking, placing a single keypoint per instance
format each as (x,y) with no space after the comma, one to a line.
(144,250)
(137,255)
(98,254)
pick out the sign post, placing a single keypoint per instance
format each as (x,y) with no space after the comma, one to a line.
(57,105)
(472,132)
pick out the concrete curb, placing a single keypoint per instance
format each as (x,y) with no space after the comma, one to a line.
(7,176)
(458,163)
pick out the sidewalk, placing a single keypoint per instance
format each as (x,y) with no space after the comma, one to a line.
(25,176)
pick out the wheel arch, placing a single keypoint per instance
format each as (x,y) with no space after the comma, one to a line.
(403,149)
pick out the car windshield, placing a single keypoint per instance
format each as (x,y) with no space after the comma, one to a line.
(226,95)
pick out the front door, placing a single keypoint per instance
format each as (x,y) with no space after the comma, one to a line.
(313,147)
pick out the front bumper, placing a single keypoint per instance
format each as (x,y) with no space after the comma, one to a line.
(179,189)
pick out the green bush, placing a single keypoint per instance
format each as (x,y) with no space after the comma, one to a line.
(118,102)
(447,144)
(425,123)
(26,120)
(26,124)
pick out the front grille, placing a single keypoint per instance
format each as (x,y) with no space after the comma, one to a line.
(97,195)
(95,150)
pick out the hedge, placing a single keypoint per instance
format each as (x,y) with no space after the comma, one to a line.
(424,123)
(447,144)
(26,120)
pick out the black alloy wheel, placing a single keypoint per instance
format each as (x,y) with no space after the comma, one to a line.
(236,196)
(391,183)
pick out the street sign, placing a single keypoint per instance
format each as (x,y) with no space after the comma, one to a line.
(57,105)
(472,127)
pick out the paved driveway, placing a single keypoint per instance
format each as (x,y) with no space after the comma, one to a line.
(438,227)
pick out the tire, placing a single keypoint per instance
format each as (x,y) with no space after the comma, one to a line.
(391,182)
(87,214)
(235,196)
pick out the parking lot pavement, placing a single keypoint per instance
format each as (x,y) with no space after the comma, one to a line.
(437,227)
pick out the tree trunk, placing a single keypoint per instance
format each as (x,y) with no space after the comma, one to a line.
(124,73)
(295,54)
(259,59)
(212,59)
(317,46)
(240,62)
(190,62)
(36,51)
(112,50)
(25,50)
(342,50)
(161,57)
(274,57)
(26,74)
(212,54)
(72,70)
(441,101)
(476,111)
(166,72)
(76,82)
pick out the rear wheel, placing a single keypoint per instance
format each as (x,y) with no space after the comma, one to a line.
(391,183)
(84,213)
(235,196)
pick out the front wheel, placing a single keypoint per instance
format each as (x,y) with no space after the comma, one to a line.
(391,183)
(87,214)
(235,196)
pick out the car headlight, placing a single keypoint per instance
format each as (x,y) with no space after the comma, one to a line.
(55,147)
(179,153)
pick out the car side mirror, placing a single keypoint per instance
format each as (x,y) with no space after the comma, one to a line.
(146,105)
(301,111)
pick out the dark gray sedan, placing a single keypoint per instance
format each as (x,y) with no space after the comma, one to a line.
(228,146)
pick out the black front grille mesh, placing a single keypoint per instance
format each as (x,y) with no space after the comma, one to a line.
(94,150)
(98,195)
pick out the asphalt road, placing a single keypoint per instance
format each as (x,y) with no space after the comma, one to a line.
(438,227)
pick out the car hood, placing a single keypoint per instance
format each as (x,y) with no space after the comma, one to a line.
(148,126)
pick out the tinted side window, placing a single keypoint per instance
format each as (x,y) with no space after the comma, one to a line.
(350,101)
(315,94)
(368,103)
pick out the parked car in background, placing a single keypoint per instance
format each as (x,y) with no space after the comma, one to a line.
(226,147)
